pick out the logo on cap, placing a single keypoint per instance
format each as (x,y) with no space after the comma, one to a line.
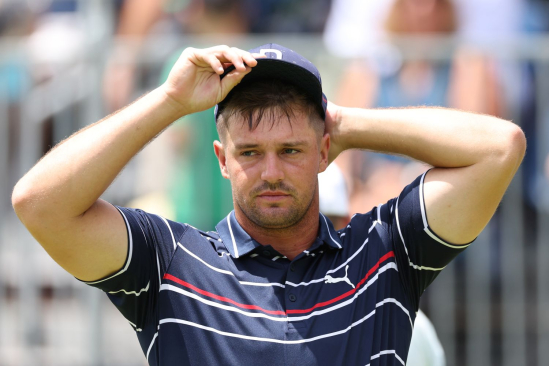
(277,53)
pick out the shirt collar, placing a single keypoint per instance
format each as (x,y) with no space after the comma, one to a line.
(328,234)
(239,243)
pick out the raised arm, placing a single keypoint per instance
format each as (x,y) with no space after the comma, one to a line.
(475,158)
(58,199)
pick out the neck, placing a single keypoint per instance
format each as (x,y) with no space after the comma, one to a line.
(284,240)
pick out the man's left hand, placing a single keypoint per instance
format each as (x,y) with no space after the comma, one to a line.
(333,122)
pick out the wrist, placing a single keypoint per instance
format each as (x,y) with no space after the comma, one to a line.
(178,108)
(340,131)
(353,128)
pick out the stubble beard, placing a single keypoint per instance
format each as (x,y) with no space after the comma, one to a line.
(275,217)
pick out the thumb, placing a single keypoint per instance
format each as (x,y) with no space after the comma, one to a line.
(232,79)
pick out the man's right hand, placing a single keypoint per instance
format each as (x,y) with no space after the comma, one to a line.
(194,81)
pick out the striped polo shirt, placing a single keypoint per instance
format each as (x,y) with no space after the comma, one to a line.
(220,298)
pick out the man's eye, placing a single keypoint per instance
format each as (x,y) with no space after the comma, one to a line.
(248,153)
(290,151)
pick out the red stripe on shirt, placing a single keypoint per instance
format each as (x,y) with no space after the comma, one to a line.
(346,294)
(221,298)
(280,312)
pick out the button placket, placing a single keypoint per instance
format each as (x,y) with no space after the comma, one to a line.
(291,276)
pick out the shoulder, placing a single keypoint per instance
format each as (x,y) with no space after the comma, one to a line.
(367,230)
(152,227)
(379,216)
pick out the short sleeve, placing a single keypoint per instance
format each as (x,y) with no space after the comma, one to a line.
(421,255)
(151,243)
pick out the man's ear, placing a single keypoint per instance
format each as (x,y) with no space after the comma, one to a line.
(221,157)
(324,150)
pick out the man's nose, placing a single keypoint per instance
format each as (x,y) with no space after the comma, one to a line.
(272,170)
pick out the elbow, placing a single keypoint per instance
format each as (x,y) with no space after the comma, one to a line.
(23,200)
(20,199)
(517,144)
(512,146)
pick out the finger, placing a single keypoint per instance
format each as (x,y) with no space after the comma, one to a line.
(225,57)
(246,56)
(232,79)
(236,76)
(234,56)
(214,62)
(203,58)
(249,59)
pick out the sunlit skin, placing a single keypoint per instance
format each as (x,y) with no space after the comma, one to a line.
(274,176)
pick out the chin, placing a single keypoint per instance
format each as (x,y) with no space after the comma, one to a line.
(275,217)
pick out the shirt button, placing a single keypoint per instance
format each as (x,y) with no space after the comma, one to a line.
(292,267)
(266,253)
(292,298)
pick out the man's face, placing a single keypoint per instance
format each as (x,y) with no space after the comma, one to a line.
(273,169)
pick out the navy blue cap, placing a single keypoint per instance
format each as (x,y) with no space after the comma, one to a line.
(283,64)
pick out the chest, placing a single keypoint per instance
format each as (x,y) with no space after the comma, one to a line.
(339,305)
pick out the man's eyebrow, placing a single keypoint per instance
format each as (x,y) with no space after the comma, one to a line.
(245,146)
(294,143)
(242,146)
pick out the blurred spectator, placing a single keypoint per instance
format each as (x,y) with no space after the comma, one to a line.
(138,18)
(134,22)
(489,21)
(535,116)
(425,348)
(15,20)
(334,197)
(287,16)
(379,77)
(355,27)
(58,41)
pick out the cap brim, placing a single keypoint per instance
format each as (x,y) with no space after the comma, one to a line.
(287,72)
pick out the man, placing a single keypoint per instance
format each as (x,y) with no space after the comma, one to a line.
(275,284)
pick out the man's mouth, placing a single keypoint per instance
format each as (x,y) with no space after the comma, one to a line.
(273,195)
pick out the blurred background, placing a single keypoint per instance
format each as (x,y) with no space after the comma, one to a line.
(65,64)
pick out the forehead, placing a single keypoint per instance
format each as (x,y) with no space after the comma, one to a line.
(271,129)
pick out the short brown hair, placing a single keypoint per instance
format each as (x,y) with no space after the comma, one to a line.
(270,100)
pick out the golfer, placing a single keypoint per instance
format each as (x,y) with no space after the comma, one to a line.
(274,283)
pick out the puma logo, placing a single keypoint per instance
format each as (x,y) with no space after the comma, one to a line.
(330,279)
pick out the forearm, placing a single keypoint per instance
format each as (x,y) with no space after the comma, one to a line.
(437,136)
(475,158)
(138,16)
(70,179)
